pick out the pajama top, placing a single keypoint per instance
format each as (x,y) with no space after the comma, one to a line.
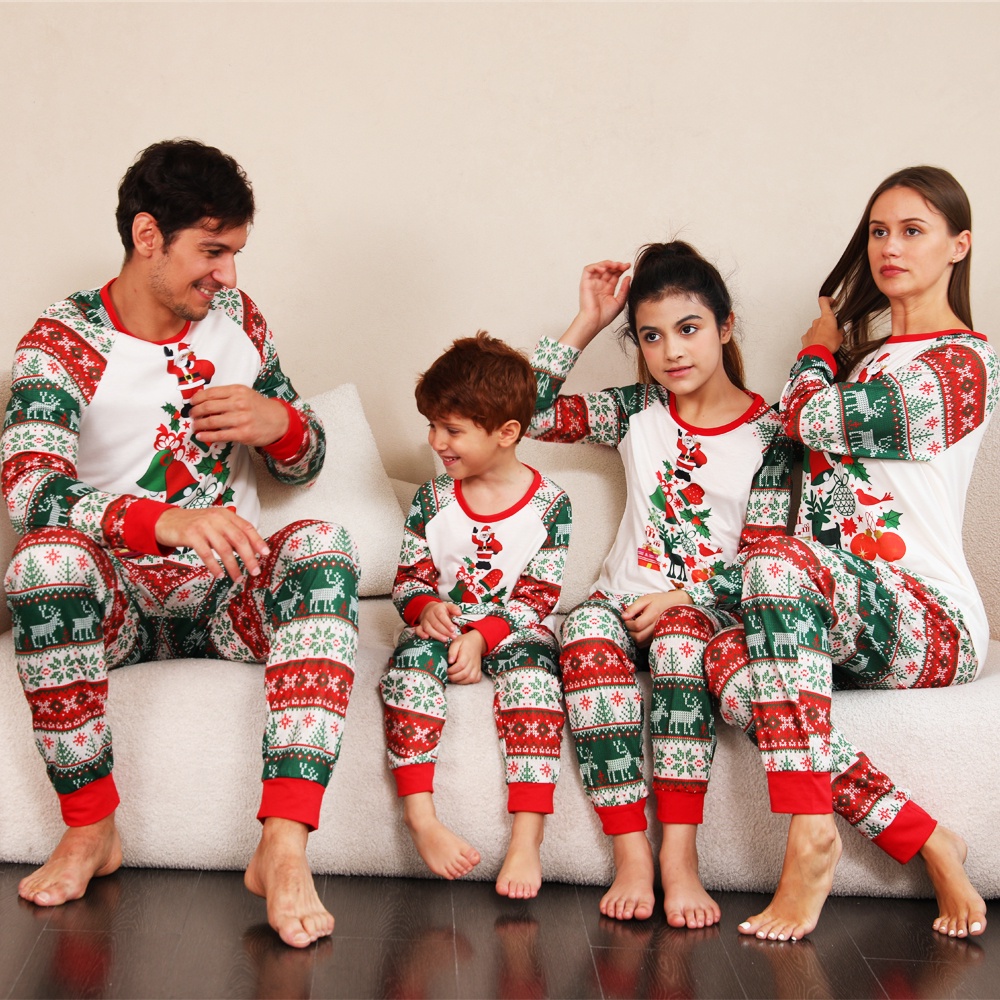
(890,454)
(97,435)
(503,570)
(696,496)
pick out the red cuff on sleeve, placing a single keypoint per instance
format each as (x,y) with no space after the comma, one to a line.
(411,613)
(820,352)
(800,792)
(291,798)
(91,803)
(680,807)
(907,833)
(493,629)
(139,527)
(289,446)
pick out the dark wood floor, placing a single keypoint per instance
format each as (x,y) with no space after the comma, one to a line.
(143,933)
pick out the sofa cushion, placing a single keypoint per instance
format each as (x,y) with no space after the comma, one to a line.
(353,490)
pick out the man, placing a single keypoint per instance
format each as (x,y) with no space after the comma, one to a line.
(126,466)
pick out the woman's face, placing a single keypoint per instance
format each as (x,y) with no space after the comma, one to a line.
(910,247)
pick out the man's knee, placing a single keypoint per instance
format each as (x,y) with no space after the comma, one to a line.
(47,555)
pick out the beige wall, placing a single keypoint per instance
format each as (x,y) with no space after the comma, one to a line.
(425,170)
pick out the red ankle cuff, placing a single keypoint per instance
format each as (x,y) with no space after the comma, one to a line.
(629,818)
(91,803)
(800,792)
(413,778)
(907,833)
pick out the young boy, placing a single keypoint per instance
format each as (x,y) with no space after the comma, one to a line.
(479,574)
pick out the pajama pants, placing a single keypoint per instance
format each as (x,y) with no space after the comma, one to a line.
(79,611)
(817,618)
(604,704)
(527,709)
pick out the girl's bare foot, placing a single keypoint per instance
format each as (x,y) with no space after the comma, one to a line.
(631,893)
(685,902)
(83,853)
(521,874)
(280,873)
(444,852)
(811,857)
(961,909)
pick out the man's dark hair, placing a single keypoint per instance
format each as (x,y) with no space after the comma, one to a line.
(181,182)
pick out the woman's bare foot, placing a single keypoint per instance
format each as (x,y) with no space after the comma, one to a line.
(961,909)
(631,893)
(83,853)
(444,852)
(521,874)
(811,857)
(280,873)
(685,901)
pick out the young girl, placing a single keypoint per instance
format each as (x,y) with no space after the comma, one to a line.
(708,471)
(875,591)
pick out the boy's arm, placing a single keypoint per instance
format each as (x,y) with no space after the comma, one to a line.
(912,414)
(536,593)
(416,580)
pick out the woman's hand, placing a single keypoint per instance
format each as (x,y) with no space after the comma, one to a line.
(641,617)
(600,303)
(824,331)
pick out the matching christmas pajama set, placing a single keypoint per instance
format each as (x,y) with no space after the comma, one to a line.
(504,571)
(96,445)
(696,497)
(874,590)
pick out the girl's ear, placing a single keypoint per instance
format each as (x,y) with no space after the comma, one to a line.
(509,433)
(726,333)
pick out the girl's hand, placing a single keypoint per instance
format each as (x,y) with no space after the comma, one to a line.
(824,331)
(465,658)
(641,617)
(599,301)
(435,621)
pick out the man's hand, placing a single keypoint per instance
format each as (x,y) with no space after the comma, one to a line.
(435,621)
(465,658)
(237,413)
(824,331)
(215,533)
(641,616)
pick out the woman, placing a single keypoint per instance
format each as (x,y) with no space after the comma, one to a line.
(874,591)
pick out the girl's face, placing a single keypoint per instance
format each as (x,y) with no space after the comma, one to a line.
(910,247)
(681,343)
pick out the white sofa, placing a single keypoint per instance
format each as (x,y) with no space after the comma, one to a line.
(183,805)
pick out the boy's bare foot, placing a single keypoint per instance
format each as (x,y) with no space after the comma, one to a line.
(811,857)
(631,893)
(444,852)
(280,873)
(685,902)
(521,874)
(961,909)
(83,853)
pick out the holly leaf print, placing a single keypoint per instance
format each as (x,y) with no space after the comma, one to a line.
(891,518)
(697,519)
(856,470)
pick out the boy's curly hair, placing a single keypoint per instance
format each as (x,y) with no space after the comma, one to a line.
(482,379)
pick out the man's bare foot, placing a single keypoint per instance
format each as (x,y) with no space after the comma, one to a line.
(811,857)
(685,901)
(83,853)
(444,852)
(521,874)
(631,893)
(961,909)
(280,873)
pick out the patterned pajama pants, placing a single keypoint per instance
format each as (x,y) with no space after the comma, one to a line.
(527,709)
(605,709)
(80,611)
(817,618)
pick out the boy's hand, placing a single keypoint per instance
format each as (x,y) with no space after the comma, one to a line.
(824,331)
(641,616)
(599,304)
(465,658)
(435,621)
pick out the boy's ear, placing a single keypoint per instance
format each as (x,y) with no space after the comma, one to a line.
(509,433)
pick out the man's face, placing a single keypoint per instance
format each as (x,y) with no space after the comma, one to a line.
(197,264)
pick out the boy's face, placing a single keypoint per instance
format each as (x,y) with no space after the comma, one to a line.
(465,448)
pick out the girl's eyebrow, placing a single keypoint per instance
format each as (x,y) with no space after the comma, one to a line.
(915,218)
